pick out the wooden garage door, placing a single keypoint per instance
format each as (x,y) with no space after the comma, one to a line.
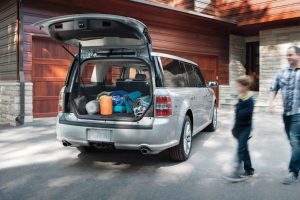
(50,64)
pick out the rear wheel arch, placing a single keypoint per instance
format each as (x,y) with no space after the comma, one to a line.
(189,113)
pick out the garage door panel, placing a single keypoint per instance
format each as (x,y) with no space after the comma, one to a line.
(48,49)
(45,70)
(45,108)
(46,105)
(47,88)
(50,66)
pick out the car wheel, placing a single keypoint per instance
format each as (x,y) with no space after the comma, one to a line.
(85,149)
(182,151)
(214,122)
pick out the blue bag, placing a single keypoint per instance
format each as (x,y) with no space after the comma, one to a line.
(128,104)
(119,109)
(134,95)
(119,93)
(117,100)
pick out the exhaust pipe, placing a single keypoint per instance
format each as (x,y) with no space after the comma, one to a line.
(66,143)
(145,150)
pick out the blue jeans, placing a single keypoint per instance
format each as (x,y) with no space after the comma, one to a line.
(292,129)
(243,151)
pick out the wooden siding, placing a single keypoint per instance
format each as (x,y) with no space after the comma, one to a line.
(186,4)
(245,12)
(203,6)
(8,40)
(206,6)
(181,33)
(257,11)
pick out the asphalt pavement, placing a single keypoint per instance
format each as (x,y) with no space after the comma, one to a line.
(34,165)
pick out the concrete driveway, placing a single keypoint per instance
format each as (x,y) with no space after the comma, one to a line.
(33,165)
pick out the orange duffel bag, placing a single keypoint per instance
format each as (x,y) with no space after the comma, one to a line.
(106,105)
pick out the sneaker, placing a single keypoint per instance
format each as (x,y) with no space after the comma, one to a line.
(234,178)
(290,179)
(247,173)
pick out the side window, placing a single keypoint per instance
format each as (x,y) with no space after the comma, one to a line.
(190,75)
(112,75)
(199,77)
(132,73)
(172,72)
(194,76)
(87,71)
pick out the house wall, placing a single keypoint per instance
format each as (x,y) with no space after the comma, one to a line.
(245,12)
(186,4)
(237,60)
(273,47)
(8,40)
(257,11)
(9,86)
(10,102)
(202,6)
(180,33)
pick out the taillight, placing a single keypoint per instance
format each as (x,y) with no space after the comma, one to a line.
(163,106)
(60,102)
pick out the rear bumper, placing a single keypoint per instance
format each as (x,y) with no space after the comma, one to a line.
(155,134)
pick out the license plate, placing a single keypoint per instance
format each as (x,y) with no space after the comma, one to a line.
(99,135)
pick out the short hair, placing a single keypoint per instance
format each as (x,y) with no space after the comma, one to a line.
(296,48)
(244,81)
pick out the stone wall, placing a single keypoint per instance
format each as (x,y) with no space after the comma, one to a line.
(273,47)
(10,102)
(237,58)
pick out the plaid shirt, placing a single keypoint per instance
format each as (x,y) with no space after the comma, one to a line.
(288,80)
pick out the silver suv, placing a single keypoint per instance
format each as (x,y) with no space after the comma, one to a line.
(125,95)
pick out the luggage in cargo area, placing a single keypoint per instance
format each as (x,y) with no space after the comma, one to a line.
(113,89)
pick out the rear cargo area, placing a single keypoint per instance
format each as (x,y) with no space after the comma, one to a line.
(112,89)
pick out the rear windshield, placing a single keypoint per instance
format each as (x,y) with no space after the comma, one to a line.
(108,73)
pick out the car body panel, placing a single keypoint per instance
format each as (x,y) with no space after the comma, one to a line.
(95,33)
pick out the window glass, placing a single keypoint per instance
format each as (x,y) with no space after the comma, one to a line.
(190,75)
(92,73)
(113,74)
(172,73)
(193,76)
(199,77)
(132,73)
(146,72)
(87,72)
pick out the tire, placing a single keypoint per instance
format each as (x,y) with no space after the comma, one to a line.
(182,151)
(214,121)
(85,149)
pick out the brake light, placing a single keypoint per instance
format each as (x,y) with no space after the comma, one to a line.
(163,106)
(60,102)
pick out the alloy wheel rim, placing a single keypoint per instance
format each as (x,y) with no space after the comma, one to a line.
(187,137)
